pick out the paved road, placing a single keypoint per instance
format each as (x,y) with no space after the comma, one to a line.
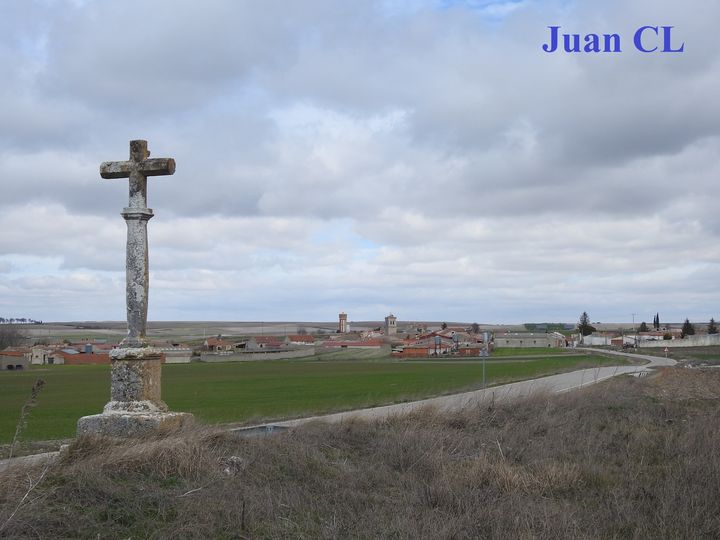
(563,382)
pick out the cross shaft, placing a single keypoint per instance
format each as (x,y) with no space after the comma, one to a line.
(136,215)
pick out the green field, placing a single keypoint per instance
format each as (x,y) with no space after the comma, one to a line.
(253,391)
(530,351)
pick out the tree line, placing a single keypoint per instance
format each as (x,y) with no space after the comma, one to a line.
(688,328)
(18,320)
(11,337)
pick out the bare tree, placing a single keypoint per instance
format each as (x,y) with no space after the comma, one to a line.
(10,337)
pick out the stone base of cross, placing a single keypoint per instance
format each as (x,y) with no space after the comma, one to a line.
(135,407)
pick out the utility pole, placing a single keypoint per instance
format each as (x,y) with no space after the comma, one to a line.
(486,339)
(635,331)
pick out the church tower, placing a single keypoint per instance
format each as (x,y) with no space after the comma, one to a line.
(390,325)
(342,323)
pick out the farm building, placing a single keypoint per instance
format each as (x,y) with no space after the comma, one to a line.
(39,354)
(299,340)
(218,344)
(447,342)
(262,343)
(526,340)
(73,357)
(13,361)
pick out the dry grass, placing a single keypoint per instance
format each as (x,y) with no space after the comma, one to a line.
(30,402)
(631,458)
(694,356)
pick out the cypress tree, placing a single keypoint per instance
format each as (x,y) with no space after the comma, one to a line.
(687,329)
(712,327)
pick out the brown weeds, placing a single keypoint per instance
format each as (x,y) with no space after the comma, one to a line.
(30,402)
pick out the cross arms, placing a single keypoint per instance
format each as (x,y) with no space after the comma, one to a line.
(147,167)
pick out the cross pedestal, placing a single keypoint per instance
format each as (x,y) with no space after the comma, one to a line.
(135,406)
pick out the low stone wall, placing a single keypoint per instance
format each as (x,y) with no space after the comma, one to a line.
(412,352)
(252,356)
(690,341)
(595,341)
(178,357)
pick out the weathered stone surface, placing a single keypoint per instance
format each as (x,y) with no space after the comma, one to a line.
(135,381)
(35,459)
(116,424)
(143,406)
(135,407)
(136,215)
(134,353)
(137,276)
(149,167)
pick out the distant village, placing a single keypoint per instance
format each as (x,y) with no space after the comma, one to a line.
(400,340)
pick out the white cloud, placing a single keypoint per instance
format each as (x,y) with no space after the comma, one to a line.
(422,158)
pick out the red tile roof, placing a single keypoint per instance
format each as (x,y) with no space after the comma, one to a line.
(12,353)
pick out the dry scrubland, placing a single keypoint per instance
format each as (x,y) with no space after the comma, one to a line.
(629,458)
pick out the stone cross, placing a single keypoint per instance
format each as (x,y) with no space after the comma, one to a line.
(135,407)
(136,215)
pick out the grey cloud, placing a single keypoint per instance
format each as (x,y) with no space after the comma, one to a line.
(473,96)
(152,58)
(468,160)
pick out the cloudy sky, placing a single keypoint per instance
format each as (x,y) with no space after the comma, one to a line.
(424,157)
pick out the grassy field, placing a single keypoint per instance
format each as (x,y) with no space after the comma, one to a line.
(382,354)
(252,391)
(529,351)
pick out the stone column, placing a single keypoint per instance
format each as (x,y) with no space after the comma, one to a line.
(137,275)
